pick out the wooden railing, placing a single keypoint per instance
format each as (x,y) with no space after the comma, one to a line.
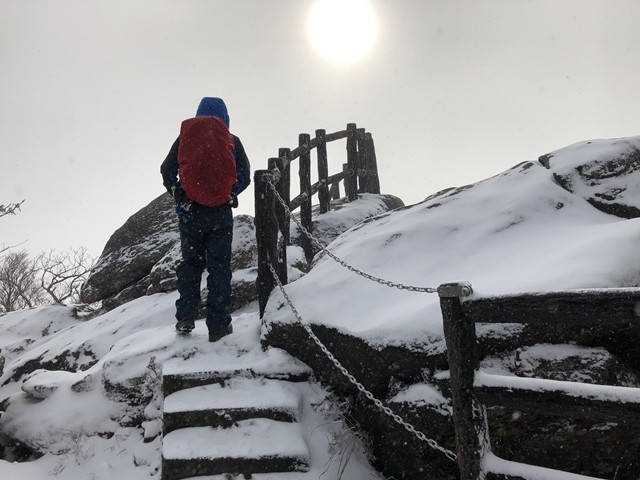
(359,174)
(472,389)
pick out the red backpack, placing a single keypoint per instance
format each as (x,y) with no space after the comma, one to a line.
(206,165)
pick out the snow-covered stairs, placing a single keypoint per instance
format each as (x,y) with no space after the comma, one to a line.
(241,418)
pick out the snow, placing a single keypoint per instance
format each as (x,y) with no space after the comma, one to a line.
(270,363)
(248,439)
(236,393)
(420,394)
(584,390)
(517,231)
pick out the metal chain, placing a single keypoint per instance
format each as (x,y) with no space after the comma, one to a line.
(355,270)
(397,418)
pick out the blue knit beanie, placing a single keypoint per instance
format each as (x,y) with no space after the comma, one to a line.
(214,107)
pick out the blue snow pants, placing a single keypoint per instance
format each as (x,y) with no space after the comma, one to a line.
(205,236)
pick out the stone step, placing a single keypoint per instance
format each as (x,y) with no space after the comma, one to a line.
(222,405)
(254,476)
(252,446)
(180,374)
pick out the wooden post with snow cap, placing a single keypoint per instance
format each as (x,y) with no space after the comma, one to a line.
(352,163)
(266,235)
(323,171)
(283,187)
(283,163)
(469,419)
(371,165)
(347,184)
(362,167)
(304,140)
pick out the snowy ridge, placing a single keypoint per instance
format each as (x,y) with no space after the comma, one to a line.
(518,231)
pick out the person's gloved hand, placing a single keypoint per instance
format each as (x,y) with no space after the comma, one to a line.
(233,201)
(183,202)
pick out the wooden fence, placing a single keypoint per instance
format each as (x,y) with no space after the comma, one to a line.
(359,174)
(472,390)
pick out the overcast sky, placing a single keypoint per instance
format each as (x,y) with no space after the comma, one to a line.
(92,94)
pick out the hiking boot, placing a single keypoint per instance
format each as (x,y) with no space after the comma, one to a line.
(215,336)
(185,326)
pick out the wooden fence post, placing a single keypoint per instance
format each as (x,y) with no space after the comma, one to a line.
(266,235)
(284,189)
(304,139)
(282,220)
(323,172)
(347,183)
(362,167)
(335,191)
(352,162)
(469,419)
(371,165)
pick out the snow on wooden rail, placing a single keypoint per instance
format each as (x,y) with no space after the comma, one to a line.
(578,400)
(472,390)
(359,173)
(576,307)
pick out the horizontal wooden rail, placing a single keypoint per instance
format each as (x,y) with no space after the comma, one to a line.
(501,469)
(577,307)
(314,142)
(472,390)
(337,177)
(552,397)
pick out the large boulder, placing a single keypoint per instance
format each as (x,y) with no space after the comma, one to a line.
(133,250)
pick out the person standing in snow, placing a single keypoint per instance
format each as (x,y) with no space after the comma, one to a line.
(205,175)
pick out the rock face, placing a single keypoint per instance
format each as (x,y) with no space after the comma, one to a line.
(132,251)
(141,257)
(608,182)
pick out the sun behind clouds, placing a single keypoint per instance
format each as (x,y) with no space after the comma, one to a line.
(342,31)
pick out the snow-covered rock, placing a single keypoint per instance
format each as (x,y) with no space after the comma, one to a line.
(133,250)
(603,172)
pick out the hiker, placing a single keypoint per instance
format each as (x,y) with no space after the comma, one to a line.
(205,171)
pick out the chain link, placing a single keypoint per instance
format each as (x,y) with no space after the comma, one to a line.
(397,418)
(355,270)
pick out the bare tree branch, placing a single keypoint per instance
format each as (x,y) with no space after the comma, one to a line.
(18,287)
(61,274)
(10,209)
